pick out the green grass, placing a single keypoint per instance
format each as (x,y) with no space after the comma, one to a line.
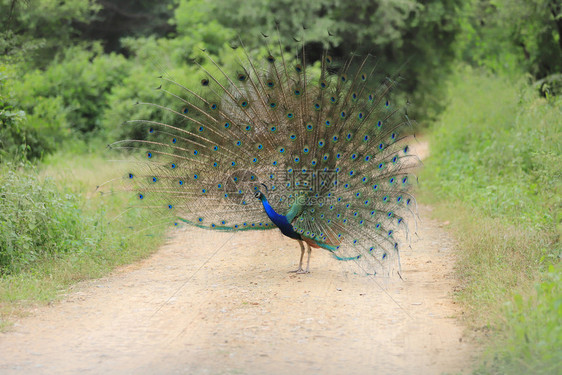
(496,172)
(55,230)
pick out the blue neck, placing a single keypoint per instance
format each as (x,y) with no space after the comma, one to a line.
(280,220)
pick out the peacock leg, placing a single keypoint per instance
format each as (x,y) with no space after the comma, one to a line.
(308,259)
(300,270)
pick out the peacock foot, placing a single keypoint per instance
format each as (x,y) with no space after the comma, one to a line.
(300,271)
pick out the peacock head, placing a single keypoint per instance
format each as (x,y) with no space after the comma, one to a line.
(258,194)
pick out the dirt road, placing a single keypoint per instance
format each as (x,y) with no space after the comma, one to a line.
(214,303)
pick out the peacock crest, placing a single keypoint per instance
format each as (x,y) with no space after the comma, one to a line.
(319,151)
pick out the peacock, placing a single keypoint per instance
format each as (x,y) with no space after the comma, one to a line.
(318,151)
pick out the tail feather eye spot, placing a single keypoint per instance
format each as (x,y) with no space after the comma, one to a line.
(204,82)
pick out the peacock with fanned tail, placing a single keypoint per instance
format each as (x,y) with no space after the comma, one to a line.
(318,152)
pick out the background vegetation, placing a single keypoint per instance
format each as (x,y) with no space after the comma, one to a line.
(485,78)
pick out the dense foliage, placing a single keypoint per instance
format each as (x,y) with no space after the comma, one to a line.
(499,148)
(496,167)
(72,70)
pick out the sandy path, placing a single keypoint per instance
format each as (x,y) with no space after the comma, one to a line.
(187,311)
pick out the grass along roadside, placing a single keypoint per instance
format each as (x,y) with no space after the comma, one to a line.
(495,174)
(55,231)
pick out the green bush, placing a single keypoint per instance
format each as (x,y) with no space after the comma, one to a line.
(24,136)
(79,80)
(532,332)
(44,111)
(498,148)
(37,220)
(495,167)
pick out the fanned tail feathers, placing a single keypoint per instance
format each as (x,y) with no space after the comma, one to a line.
(325,142)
